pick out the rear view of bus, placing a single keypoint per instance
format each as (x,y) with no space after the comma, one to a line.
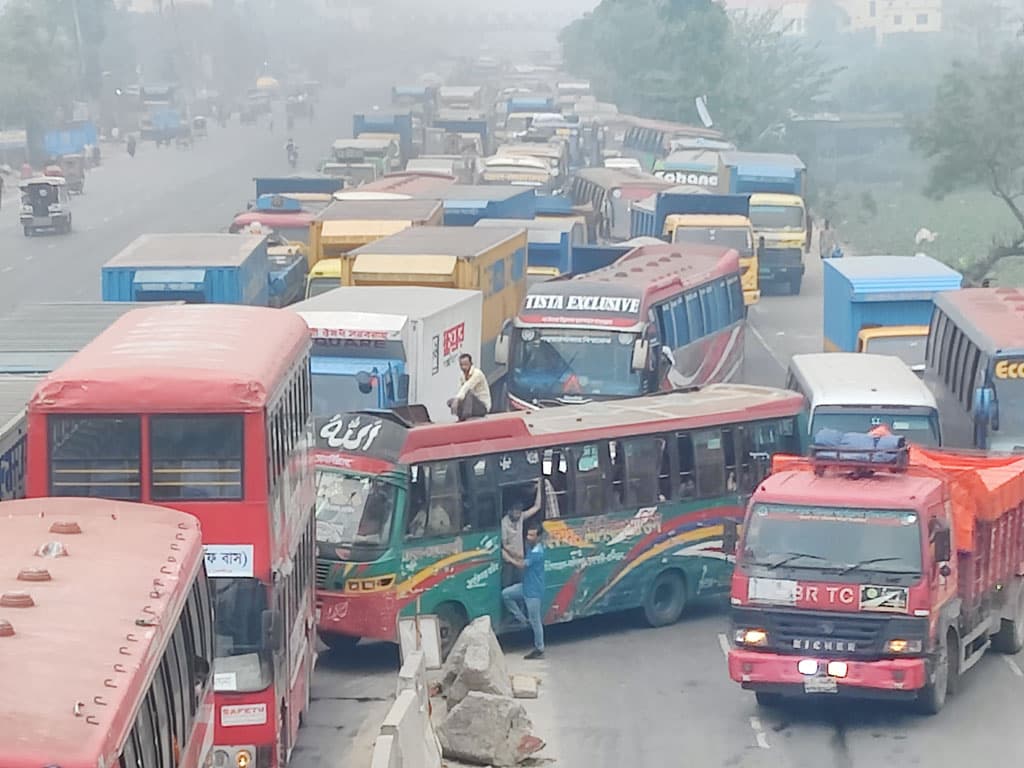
(111,605)
(206,409)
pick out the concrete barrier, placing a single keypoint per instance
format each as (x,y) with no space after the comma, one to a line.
(407,738)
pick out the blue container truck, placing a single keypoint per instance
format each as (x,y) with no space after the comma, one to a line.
(470,123)
(466,204)
(550,243)
(883,304)
(15,392)
(194,268)
(399,124)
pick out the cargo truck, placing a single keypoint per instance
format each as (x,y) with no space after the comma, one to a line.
(883,304)
(465,205)
(873,570)
(550,243)
(492,261)
(698,216)
(468,125)
(397,126)
(389,347)
(777,184)
(194,268)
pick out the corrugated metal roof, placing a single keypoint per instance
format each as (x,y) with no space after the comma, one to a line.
(463,242)
(872,275)
(187,250)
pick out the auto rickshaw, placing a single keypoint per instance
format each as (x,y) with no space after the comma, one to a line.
(199,127)
(73,171)
(45,205)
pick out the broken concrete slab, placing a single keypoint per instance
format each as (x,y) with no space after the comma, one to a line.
(525,686)
(476,663)
(485,729)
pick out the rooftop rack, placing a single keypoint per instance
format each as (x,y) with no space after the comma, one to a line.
(858,453)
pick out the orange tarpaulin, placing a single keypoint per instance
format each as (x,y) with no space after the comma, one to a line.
(981,487)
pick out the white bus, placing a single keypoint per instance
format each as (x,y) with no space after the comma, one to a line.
(857,392)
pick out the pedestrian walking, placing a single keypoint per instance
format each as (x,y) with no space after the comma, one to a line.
(529,593)
(473,399)
(512,524)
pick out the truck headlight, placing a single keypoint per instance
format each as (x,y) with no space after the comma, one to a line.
(751,636)
(904,646)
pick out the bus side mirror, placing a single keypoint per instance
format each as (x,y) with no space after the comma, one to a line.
(403,388)
(501,345)
(641,352)
(943,546)
(730,537)
(272,629)
(986,411)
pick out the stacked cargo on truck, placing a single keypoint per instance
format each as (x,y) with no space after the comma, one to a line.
(883,304)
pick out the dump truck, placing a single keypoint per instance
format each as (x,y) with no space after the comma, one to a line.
(875,570)
(389,346)
(777,184)
(883,304)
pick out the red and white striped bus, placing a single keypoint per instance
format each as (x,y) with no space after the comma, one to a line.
(106,636)
(206,409)
(661,317)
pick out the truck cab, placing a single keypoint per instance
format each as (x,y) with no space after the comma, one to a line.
(782,228)
(907,342)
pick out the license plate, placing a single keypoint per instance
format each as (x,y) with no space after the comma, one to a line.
(820,685)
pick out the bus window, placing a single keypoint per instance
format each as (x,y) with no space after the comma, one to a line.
(687,467)
(95,456)
(196,456)
(617,458)
(710,463)
(556,475)
(437,500)
(693,314)
(682,325)
(642,463)
(588,480)
(480,512)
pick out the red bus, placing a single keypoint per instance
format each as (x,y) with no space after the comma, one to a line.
(206,409)
(662,317)
(401,185)
(114,610)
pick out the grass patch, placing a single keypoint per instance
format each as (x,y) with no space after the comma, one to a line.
(883,219)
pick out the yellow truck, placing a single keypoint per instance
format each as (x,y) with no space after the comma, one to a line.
(347,224)
(491,260)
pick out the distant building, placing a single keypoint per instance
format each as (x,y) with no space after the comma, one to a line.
(882,17)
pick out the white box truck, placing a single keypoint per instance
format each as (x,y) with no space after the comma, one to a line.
(384,347)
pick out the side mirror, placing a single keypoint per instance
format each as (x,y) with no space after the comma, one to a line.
(943,546)
(730,537)
(641,352)
(501,345)
(984,399)
(272,630)
(403,388)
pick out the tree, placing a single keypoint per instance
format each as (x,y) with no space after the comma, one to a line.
(972,135)
(653,57)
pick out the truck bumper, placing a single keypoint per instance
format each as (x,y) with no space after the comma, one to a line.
(373,616)
(775,673)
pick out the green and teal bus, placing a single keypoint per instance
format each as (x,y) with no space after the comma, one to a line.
(636,492)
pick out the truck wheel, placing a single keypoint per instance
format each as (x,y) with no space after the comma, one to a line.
(933,696)
(666,599)
(794,285)
(1010,637)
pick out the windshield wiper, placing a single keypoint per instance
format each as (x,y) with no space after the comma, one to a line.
(789,557)
(871,561)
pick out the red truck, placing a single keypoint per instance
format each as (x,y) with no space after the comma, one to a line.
(877,574)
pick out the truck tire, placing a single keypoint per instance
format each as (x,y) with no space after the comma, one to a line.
(932,697)
(666,599)
(1010,637)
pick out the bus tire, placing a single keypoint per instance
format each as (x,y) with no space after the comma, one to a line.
(666,599)
(1010,637)
(932,697)
(337,644)
(451,619)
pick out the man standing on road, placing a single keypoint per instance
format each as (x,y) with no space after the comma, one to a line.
(512,537)
(530,593)
(474,396)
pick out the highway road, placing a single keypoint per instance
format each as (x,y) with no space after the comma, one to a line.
(614,693)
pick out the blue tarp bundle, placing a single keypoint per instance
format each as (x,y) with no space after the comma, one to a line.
(876,449)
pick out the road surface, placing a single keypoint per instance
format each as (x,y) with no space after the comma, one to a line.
(614,693)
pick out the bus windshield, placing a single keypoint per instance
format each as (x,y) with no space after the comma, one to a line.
(242,664)
(777,217)
(910,348)
(737,238)
(834,538)
(553,362)
(919,425)
(342,393)
(1010,396)
(352,510)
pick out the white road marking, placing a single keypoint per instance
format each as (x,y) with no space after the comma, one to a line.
(1014,666)
(723,643)
(771,352)
(759,734)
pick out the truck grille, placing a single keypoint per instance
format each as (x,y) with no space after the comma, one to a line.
(825,634)
(772,257)
(323,573)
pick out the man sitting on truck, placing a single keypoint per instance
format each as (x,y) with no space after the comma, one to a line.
(473,400)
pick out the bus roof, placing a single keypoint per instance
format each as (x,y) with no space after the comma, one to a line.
(857,378)
(409,209)
(99,619)
(414,184)
(180,250)
(460,242)
(189,358)
(273,219)
(714,404)
(993,318)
